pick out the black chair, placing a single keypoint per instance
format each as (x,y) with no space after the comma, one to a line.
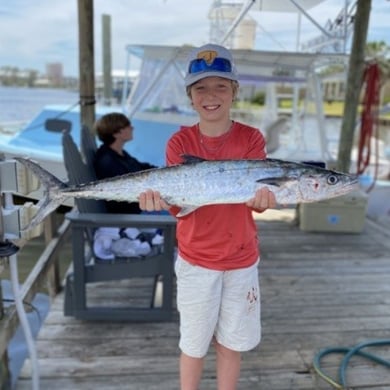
(90,215)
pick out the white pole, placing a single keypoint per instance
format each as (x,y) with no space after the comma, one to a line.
(295,98)
(24,321)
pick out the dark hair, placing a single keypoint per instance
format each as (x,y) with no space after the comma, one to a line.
(110,124)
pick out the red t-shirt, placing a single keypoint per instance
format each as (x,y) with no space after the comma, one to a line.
(220,237)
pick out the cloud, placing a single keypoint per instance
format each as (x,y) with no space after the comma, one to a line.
(31,35)
(34,33)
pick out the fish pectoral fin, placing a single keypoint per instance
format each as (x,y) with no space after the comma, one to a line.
(186,210)
(274,181)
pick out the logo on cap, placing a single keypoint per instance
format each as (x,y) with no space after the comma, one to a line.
(207,55)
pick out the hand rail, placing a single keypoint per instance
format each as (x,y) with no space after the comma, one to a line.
(45,267)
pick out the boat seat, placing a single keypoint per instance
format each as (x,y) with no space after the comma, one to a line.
(88,268)
(80,172)
(272,133)
(88,147)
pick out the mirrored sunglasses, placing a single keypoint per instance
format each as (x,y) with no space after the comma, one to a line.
(218,64)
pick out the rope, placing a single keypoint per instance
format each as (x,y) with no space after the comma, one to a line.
(348,353)
(369,118)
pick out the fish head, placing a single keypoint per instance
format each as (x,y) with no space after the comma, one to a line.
(324,184)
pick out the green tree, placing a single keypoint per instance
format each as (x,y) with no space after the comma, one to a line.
(32,77)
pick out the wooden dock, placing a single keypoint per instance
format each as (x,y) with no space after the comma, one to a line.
(319,290)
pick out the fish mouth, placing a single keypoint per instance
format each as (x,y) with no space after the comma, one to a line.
(353,185)
(355,180)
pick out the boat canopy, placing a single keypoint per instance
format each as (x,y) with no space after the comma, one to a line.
(284,6)
(160,86)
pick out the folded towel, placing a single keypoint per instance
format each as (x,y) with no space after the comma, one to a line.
(124,247)
(130,242)
(102,242)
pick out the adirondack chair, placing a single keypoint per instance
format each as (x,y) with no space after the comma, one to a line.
(87,268)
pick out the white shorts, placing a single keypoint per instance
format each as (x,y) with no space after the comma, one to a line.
(223,304)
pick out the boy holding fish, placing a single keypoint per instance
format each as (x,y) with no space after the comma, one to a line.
(218,294)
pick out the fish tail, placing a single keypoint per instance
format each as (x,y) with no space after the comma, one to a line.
(52,195)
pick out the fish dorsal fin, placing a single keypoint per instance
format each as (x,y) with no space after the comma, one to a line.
(189,158)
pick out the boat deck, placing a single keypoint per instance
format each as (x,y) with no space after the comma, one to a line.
(319,290)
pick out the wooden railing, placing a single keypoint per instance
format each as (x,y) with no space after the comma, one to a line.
(45,273)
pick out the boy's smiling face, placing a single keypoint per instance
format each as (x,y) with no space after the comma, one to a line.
(212,97)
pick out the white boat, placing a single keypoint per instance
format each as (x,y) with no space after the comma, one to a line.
(157,114)
(45,146)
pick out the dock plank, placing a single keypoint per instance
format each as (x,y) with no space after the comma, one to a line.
(319,290)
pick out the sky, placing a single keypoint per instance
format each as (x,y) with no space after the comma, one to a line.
(36,32)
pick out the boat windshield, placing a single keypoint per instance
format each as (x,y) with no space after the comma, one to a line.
(165,79)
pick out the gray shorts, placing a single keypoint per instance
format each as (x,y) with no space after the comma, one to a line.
(223,304)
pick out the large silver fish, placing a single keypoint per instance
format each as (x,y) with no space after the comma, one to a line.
(199,182)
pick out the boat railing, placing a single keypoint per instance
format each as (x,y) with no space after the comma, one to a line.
(44,274)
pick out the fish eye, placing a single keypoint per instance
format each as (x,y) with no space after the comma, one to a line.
(332,179)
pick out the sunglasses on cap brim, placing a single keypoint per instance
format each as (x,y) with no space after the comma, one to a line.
(218,65)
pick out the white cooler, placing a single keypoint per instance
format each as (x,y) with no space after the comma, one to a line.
(345,213)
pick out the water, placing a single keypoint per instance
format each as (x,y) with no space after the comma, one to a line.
(22,104)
